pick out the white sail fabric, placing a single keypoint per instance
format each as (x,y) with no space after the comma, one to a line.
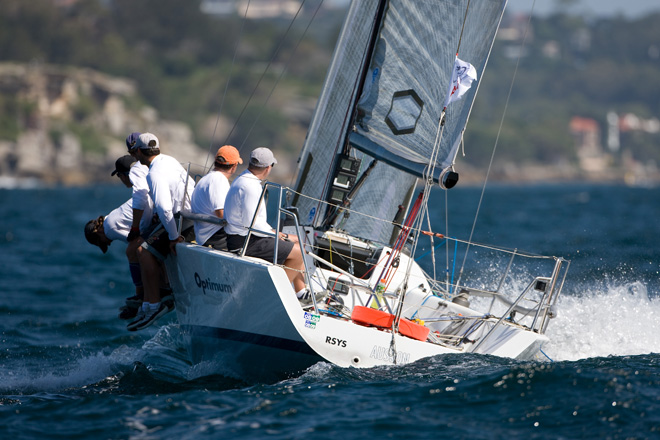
(406,78)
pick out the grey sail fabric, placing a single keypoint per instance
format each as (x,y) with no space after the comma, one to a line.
(330,124)
(401,101)
(411,71)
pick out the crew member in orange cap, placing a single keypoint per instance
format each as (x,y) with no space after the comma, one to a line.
(209,197)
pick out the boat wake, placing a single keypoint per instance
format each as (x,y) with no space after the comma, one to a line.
(160,365)
(612,320)
(621,323)
(86,370)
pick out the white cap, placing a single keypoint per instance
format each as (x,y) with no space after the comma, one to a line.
(147,141)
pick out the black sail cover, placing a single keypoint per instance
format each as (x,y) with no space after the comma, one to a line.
(386,100)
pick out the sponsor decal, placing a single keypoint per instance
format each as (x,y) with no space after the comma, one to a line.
(383,354)
(311,319)
(335,341)
(207,284)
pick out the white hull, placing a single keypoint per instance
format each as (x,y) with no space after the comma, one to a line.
(243,313)
(230,311)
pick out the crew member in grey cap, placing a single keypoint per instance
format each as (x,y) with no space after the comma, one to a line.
(240,205)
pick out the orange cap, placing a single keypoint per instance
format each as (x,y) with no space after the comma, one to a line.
(228,155)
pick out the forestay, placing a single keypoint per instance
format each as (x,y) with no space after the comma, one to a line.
(384,96)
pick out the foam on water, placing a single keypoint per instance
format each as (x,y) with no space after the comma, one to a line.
(616,319)
(609,319)
(163,354)
(81,372)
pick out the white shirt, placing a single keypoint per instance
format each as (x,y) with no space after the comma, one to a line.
(167,180)
(209,195)
(241,204)
(138,177)
(117,224)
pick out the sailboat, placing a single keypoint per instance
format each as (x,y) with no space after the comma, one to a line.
(385,133)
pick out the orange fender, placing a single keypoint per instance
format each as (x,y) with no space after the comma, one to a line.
(377,318)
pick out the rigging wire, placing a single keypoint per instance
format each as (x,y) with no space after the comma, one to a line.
(428,222)
(270,62)
(224,94)
(447,235)
(286,66)
(497,138)
(430,171)
(460,38)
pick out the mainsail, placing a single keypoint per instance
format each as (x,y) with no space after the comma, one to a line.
(383,99)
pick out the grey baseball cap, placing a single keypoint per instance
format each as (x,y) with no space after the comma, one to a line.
(262,157)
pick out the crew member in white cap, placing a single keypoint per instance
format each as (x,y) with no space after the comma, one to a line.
(170,188)
(142,206)
(241,204)
(138,181)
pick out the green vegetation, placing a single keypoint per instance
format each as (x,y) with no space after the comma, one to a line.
(572,67)
(9,109)
(182,59)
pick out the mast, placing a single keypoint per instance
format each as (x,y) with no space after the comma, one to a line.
(375,29)
(346,147)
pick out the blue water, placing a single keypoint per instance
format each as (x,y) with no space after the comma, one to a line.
(70,370)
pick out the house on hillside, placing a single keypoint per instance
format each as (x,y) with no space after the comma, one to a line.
(586,134)
(256,9)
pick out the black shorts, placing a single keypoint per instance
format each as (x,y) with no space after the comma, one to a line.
(148,231)
(159,240)
(261,247)
(218,240)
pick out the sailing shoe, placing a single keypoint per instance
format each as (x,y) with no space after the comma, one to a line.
(306,297)
(138,318)
(134,302)
(152,316)
(169,302)
(127,312)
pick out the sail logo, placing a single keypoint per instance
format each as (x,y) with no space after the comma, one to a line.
(405,110)
(207,284)
(383,354)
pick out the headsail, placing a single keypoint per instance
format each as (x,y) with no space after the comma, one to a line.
(384,96)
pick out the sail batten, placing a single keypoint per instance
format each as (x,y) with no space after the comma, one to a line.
(414,165)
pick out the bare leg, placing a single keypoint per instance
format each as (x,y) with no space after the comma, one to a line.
(294,268)
(132,256)
(150,268)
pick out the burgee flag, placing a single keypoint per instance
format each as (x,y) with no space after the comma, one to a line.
(461,80)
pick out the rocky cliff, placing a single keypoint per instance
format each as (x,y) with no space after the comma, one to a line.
(71,124)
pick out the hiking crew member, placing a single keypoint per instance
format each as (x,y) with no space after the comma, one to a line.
(209,197)
(170,189)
